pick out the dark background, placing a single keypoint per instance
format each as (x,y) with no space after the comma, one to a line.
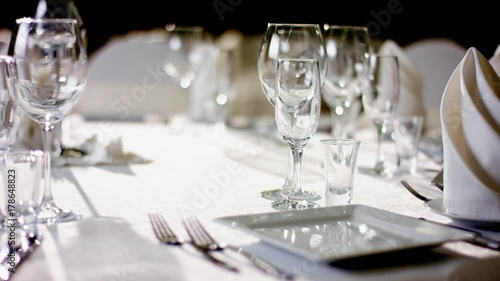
(471,24)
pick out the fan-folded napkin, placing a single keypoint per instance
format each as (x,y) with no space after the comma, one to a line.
(470,118)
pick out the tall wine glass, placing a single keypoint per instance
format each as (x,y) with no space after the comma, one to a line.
(300,41)
(348,50)
(9,123)
(297,109)
(51,73)
(380,98)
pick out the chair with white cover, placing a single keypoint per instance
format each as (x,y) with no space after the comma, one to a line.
(436,59)
(126,80)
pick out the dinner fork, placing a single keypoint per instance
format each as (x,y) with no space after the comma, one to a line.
(162,231)
(204,240)
(165,234)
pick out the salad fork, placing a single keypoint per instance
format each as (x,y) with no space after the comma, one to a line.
(204,240)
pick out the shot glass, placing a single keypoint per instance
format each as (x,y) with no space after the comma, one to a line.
(407,131)
(23,173)
(339,164)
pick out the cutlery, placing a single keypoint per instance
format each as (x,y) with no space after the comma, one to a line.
(414,192)
(478,239)
(165,235)
(204,240)
(11,261)
(438,180)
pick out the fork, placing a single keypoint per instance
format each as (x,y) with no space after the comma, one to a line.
(163,231)
(165,235)
(204,240)
(414,192)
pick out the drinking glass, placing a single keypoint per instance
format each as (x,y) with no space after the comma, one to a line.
(408,130)
(296,111)
(9,121)
(348,50)
(24,185)
(339,158)
(51,72)
(380,98)
(185,51)
(299,41)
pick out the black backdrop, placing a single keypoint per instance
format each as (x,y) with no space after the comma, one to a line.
(472,24)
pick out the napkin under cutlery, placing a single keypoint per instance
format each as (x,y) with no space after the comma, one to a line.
(95,151)
(470,118)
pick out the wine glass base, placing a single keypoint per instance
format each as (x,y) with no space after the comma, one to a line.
(56,215)
(377,172)
(277,195)
(290,204)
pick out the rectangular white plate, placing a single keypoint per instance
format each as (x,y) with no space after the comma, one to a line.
(340,232)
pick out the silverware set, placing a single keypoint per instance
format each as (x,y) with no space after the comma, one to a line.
(202,241)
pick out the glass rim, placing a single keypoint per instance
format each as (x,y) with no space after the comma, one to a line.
(338,26)
(293,24)
(173,26)
(336,141)
(56,20)
(281,60)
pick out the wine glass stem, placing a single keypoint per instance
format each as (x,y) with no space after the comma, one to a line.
(287,186)
(47,135)
(379,164)
(337,122)
(297,162)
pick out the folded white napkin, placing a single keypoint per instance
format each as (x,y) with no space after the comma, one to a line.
(470,118)
(410,81)
(97,151)
(495,60)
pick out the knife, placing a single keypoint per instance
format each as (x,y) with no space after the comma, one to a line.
(12,258)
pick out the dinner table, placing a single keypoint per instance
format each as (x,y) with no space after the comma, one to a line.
(213,171)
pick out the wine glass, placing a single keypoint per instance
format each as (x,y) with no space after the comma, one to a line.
(9,122)
(380,98)
(304,41)
(51,72)
(186,49)
(296,111)
(348,50)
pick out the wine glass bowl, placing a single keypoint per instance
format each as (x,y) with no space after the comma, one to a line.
(348,52)
(288,41)
(299,41)
(297,110)
(186,50)
(50,71)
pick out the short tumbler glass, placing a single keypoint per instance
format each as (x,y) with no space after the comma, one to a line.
(24,179)
(408,131)
(339,164)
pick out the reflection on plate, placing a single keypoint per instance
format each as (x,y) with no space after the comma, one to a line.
(341,232)
(436,206)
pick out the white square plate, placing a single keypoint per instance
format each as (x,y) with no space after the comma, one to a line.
(341,232)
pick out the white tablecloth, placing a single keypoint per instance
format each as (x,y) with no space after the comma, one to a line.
(210,173)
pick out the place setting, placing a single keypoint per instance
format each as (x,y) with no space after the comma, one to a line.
(147,174)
